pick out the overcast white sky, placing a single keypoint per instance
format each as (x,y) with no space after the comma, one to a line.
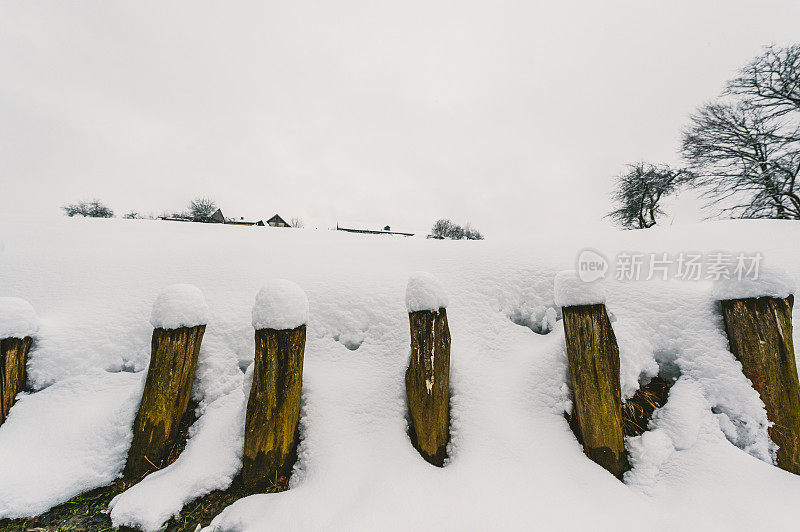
(396,112)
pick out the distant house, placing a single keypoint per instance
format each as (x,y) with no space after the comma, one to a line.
(387,230)
(217,217)
(277,221)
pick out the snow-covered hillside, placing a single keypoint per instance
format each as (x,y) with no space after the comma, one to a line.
(513,461)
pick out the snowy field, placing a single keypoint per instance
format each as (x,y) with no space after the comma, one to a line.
(513,461)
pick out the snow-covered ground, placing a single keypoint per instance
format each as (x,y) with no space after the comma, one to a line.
(514,464)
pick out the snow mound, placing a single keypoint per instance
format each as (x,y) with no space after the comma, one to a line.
(280,304)
(770,282)
(179,305)
(425,292)
(69,438)
(17,318)
(212,457)
(570,291)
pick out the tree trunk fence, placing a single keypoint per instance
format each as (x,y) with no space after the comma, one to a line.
(173,361)
(760,335)
(759,331)
(428,384)
(13,357)
(18,324)
(273,408)
(593,358)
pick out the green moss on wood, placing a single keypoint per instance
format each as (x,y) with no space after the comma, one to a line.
(760,335)
(167,389)
(594,369)
(273,408)
(428,384)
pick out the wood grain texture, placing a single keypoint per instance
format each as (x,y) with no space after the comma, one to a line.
(13,357)
(173,362)
(273,408)
(428,384)
(760,335)
(594,369)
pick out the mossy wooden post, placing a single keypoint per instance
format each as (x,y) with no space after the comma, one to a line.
(428,383)
(428,374)
(18,323)
(273,407)
(760,335)
(594,369)
(13,357)
(179,317)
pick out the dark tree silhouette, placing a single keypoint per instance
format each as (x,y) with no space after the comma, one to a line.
(638,193)
(91,209)
(745,149)
(201,209)
(447,229)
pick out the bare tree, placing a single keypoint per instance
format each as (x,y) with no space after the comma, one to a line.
(638,193)
(447,229)
(470,233)
(442,229)
(91,209)
(771,82)
(745,150)
(201,209)
(745,165)
(296,222)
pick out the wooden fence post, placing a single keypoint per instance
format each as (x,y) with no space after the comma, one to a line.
(428,373)
(593,358)
(280,315)
(760,335)
(18,322)
(179,319)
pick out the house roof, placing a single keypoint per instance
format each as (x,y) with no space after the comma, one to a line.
(277,219)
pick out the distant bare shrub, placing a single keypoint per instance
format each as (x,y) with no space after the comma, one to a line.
(447,229)
(91,209)
(201,209)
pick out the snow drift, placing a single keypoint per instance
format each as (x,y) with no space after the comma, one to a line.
(514,463)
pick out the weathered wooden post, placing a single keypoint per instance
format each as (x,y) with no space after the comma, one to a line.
(18,324)
(428,373)
(593,358)
(280,315)
(760,334)
(179,318)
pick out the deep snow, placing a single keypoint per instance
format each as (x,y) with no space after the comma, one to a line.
(513,461)
(17,318)
(179,305)
(280,304)
(425,292)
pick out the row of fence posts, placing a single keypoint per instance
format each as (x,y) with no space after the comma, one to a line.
(273,406)
(759,331)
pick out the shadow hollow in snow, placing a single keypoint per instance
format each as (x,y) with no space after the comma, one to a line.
(349,341)
(541,321)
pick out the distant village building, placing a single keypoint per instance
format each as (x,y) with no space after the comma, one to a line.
(387,230)
(217,217)
(277,221)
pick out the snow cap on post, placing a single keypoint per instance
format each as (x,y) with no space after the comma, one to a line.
(770,282)
(425,292)
(17,318)
(179,305)
(570,291)
(280,305)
